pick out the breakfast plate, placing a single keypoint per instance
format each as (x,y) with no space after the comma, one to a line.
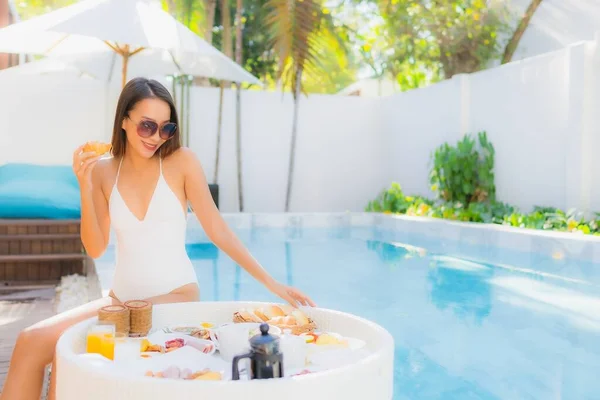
(161,342)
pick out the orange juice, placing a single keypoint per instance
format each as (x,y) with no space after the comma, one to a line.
(107,345)
(94,342)
(95,334)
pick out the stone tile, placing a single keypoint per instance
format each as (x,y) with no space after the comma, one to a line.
(238,220)
(513,239)
(361,219)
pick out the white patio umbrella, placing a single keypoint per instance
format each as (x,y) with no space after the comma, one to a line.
(131,29)
(100,66)
(46,66)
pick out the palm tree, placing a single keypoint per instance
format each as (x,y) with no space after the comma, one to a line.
(206,26)
(210,7)
(172,8)
(294,26)
(238,103)
(226,46)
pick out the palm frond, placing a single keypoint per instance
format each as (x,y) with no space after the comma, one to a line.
(292,24)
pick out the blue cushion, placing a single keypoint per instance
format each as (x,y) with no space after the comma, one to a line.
(38,191)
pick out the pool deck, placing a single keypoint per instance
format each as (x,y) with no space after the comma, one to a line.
(21,307)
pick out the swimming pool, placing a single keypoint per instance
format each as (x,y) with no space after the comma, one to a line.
(470,321)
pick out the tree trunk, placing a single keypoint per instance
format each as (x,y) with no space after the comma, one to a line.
(238,143)
(4,21)
(228,50)
(227,45)
(297,87)
(210,7)
(219,134)
(238,32)
(513,43)
(172,9)
(238,103)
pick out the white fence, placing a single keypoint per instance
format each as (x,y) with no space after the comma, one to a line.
(539,113)
(339,156)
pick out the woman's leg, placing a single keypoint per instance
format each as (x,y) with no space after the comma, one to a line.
(35,348)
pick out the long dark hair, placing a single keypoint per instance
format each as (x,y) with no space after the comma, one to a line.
(135,91)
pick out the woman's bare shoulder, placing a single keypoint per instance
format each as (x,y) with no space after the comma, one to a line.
(105,170)
(184,158)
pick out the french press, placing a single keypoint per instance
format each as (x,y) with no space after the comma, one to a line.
(266,361)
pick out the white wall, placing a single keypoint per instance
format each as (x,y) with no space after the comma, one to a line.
(339,159)
(415,123)
(43,120)
(540,114)
(340,147)
(523,107)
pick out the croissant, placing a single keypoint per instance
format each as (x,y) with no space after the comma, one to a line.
(295,320)
(268,313)
(246,316)
(97,147)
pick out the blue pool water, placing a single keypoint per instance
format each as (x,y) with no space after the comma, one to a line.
(464,328)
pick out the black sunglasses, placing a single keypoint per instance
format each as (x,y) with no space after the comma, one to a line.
(146,128)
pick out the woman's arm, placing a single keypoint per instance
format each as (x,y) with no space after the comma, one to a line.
(198,193)
(95,220)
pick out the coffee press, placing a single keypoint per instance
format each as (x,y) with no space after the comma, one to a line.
(266,361)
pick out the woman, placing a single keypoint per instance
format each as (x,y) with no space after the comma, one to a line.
(143,191)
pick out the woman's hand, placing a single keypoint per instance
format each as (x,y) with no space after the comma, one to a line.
(83,164)
(196,189)
(292,295)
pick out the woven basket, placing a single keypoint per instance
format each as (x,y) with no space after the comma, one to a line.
(296,329)
(140,312)
(117,314)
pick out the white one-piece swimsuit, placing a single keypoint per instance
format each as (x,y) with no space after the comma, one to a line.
(150,254)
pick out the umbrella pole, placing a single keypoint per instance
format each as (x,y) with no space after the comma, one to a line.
(125,54)
(124,71)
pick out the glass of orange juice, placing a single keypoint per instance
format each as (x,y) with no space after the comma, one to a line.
(95,335)
(107,345)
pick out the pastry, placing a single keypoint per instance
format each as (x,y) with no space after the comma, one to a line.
(327,339)
(97,147)
(283,317)
(274,311)
(301,318)
(247,316)
(201,334)
(260,314)
(208,376)
(155,348)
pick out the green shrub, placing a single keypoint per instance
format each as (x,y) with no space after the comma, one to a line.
(464,173)
(463,179)
(393,200)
